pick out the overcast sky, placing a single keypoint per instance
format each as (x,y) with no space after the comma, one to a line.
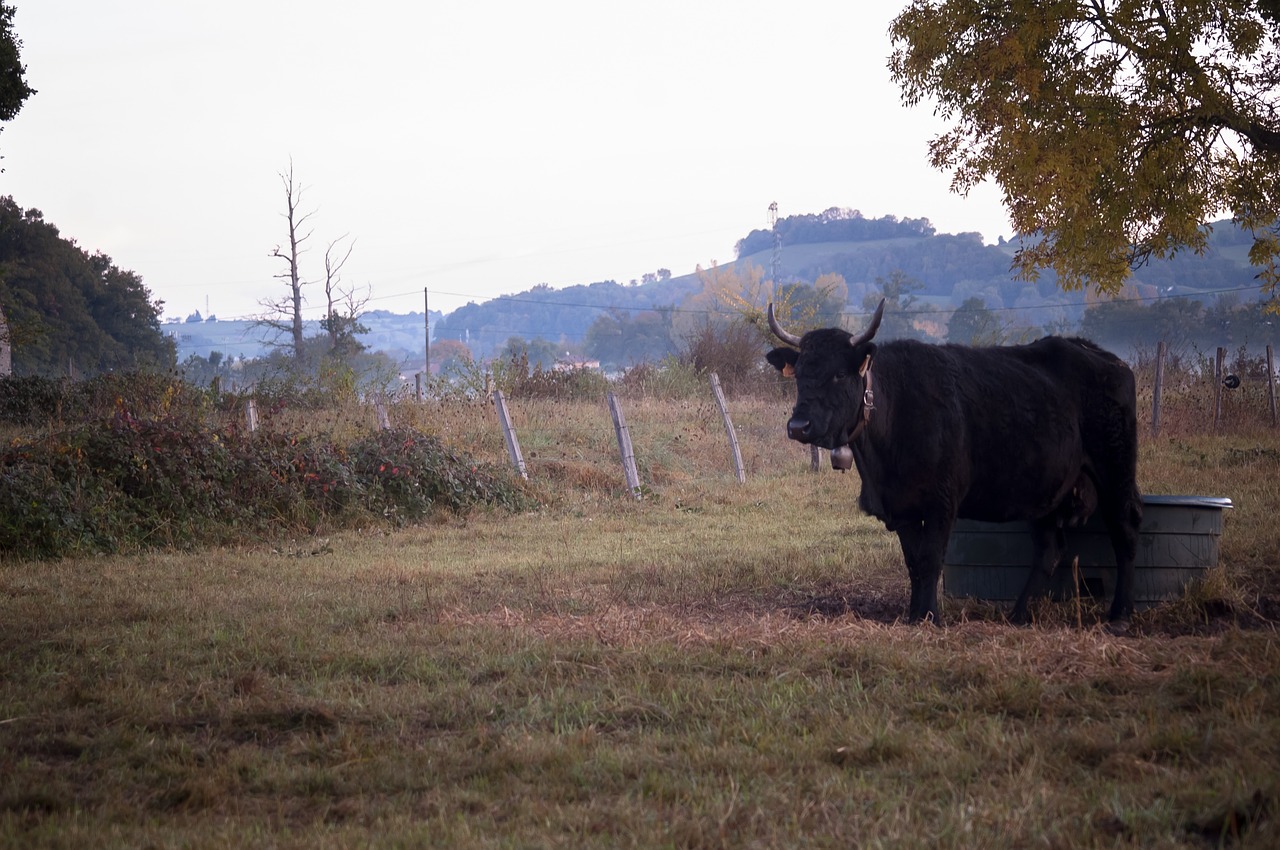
(470,148)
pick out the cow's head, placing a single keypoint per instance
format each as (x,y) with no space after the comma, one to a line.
(831,368)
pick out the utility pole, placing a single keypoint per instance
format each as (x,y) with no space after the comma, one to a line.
(426,320)
(777,243)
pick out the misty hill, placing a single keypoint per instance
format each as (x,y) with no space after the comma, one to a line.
(954,267)
(557,315)
(948,268)
(399,335)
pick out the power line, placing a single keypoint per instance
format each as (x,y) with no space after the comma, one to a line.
(514,299)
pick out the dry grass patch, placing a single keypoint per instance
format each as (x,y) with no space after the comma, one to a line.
(717,665)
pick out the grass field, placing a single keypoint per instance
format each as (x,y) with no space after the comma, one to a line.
(718,665)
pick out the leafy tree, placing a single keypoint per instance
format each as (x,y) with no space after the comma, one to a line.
(1115,129)
(538,353)
(617,338)
(660,276)
(1177,321)
(70,309)
(974,324)
(740,294)
(901,307)
(819,305)
(14,90)
(733,351)
(340,332)
(833,225)
(729,293)
(447,355)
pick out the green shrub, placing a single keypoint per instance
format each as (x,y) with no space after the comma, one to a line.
(518,380)
(32,400)
(407,473)
(129,483)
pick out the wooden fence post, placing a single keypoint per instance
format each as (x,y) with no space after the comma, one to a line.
(815,458)
(1271,382)
(509,435)
(417,381)
(384,422)
(1159,389)
(1219,365)
(624,447)
(251,415)
(738,468)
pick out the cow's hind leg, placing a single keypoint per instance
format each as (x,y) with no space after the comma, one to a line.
(923,546)
(1047,542)
(1123,518)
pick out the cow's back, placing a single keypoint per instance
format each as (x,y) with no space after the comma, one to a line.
(992,433)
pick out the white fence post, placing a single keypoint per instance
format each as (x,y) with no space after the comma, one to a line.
(509,434)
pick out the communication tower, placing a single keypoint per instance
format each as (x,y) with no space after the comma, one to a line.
(777,242)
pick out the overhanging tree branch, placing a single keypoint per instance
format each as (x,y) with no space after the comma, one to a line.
(1114,129)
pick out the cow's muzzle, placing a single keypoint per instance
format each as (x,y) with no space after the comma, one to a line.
(799,429)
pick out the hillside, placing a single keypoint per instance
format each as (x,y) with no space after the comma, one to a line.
(948,269)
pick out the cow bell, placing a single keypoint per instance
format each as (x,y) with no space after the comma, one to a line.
(842,458)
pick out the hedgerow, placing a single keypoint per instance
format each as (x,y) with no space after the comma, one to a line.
(122,481)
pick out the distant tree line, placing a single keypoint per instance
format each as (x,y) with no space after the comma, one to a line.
(69,310)
(1182,323)
(833,225)
(560,316)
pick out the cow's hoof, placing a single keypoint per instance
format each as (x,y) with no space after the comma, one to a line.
(1118,628)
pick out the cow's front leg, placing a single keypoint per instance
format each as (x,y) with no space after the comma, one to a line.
(923,546)
(1047,547)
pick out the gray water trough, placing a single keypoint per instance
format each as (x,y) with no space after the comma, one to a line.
(1177,542)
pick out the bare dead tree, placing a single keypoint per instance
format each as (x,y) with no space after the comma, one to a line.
(286,311)
(342,326)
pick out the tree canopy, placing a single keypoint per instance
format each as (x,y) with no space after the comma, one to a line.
(1116,129)
(14,90)
(832,225)
(67,308)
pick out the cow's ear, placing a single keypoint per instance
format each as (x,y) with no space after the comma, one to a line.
(861,357)
(865,355)
(784,360)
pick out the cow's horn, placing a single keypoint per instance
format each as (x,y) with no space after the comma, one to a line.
(779,331)
(872,328)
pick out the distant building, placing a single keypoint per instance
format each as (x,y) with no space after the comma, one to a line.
(570,364)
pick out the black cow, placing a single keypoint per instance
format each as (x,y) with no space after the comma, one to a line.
(1045,432)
